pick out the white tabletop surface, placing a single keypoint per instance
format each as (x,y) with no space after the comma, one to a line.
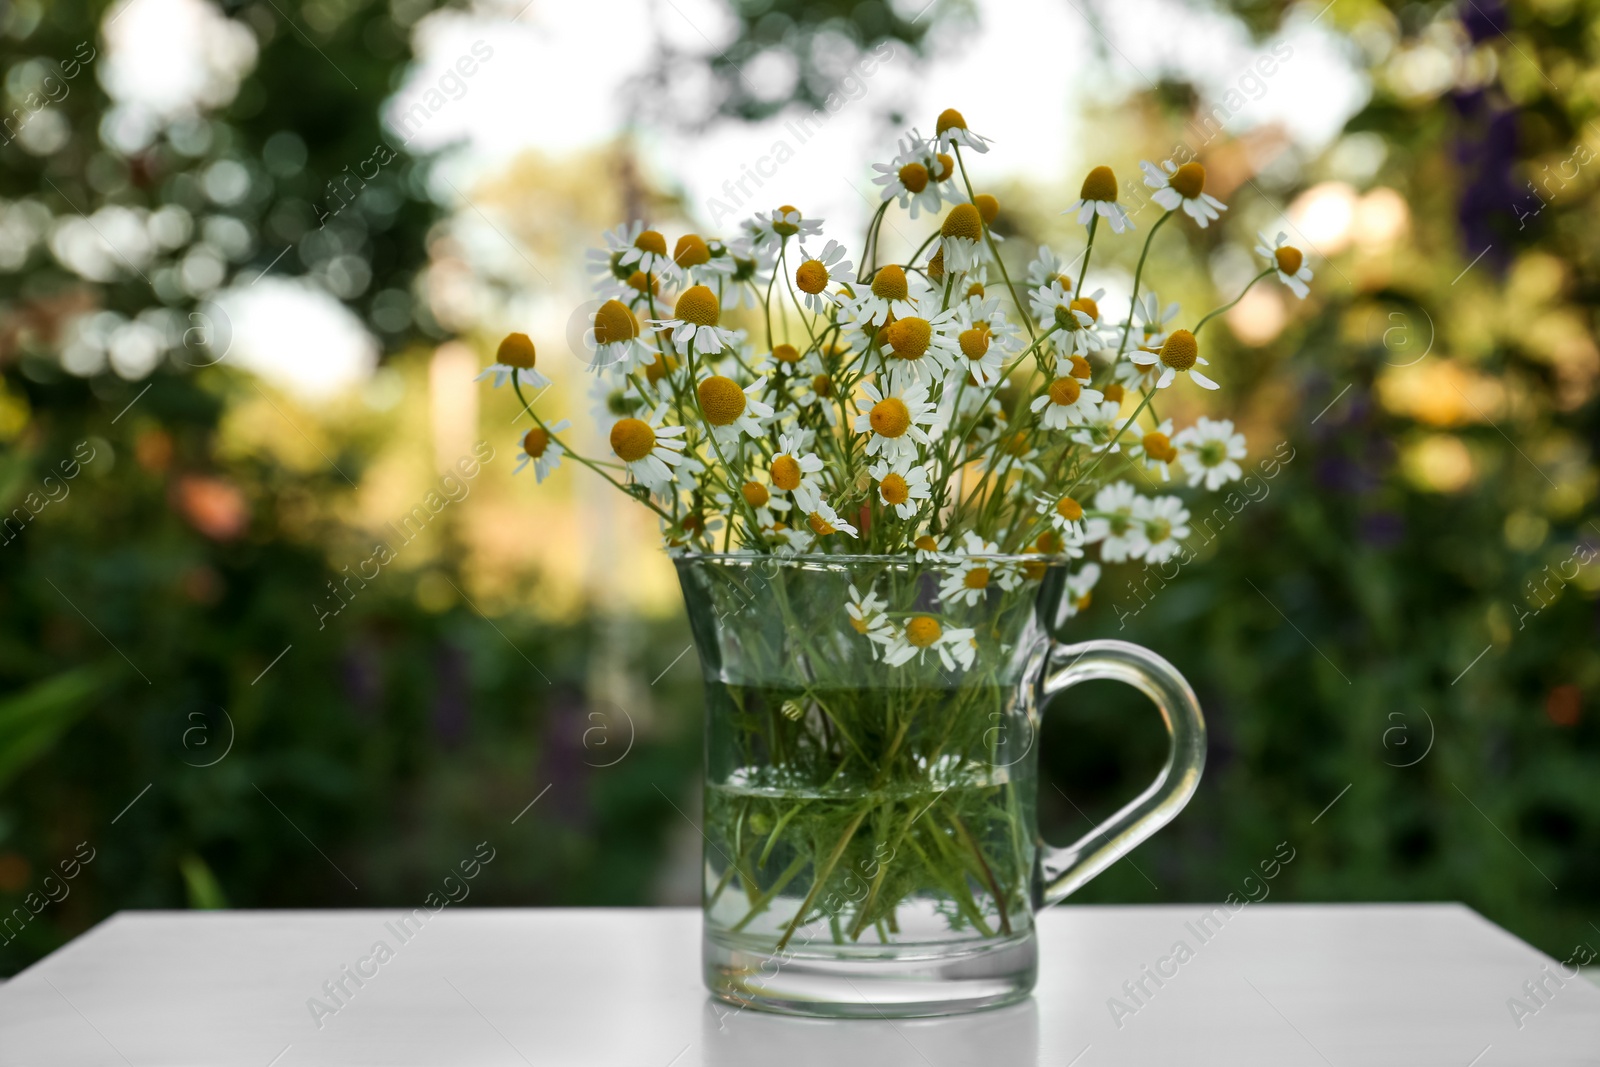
(1322,986)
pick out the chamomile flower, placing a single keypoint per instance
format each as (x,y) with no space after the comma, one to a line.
(901,485)
(968,581)
(770,229)
(1183,187)
(606,263)
(1064,513)
(617,348)
(1153,318)
(921,350)
(1166,524)
(909,178)
(540,448)
(731,411)
(889,294)
(696,261)
(1075,318)
(748,272)
(1066,402)
(1288,261)
(928,548)
(815,391)
(1047,267)
(825,521)
(867,618)
(897,421)
(813,274)
(1113,524)
(794,471)
(1100,426)
(1210,451)
(920,634)
(1154,450)
(1079,585)
(960,236)
(985,339)
(1179,354)
(1099,197)
(515,359)
(951,129)
(792,540)
(767,507)
(695,322)
(648,448)
(648,253)
(610,401)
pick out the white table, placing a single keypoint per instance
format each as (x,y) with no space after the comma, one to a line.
(1289,985)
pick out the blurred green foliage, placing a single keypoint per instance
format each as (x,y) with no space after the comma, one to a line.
(155,618)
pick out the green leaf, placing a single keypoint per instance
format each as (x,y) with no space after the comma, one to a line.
(33,720)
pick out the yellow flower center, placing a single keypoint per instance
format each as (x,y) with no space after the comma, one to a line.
(698,305)
(691,251)
(1033,570)
(936,265)
(923,631)
(639,281)
(1049,542)
(893,489)
(651,241)
(988,206)
(721,400)
(949,119)
(1289,259)
(755,494)
(889,417)
(535,441)
(1189,180)
(822,385)
(811,276)
(693,523)
(819,525)
(1065,280)
(963,221)
(974,342)
(1113,392)
(785,472)
(657,368)
(1081,368)
(914,177)
(1017,443)
(910,337)
(1101,184)
(1068,509)
(890,283)
(1158,446)
(632,439)
(614,322)
(975,289)
(781,223)
(786,354)
(976,578)
(926,543)
(1158,530)
(947,166)
(515,351)
(1065,391)
(1180,350)
(1087,306)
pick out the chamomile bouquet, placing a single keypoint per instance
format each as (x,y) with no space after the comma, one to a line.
(953,432)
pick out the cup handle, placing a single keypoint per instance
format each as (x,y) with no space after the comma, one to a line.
(1066,869)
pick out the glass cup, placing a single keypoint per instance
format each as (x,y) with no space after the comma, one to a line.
(871,836)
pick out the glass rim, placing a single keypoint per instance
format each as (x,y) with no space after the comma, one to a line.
(867,557)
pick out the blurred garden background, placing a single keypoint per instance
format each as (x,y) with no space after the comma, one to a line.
(253,253)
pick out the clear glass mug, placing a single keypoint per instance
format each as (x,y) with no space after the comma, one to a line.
(871,840)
